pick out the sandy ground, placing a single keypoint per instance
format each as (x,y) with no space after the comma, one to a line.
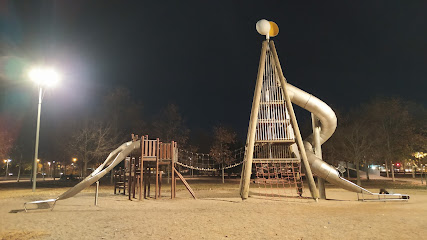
(218,213)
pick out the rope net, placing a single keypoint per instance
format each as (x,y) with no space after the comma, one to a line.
(279,179)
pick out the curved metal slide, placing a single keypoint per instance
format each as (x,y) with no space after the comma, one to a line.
(328,122)
(114,158)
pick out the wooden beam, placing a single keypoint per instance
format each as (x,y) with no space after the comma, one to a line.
(141,167)
(157,166)
(309,175)
(172,170)
(250,141)
(186,184)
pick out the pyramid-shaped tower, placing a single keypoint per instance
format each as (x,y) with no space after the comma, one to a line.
(274,149)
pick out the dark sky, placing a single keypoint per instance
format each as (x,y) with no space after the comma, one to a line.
(203,55)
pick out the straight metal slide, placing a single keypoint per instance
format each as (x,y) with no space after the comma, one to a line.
(114,158)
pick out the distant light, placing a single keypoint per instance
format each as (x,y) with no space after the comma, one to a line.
(44,76)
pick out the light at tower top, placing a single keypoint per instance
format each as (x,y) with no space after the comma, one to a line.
(267,28)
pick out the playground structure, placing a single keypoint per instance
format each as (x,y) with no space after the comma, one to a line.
(152,156)
(274,145)
(267,120)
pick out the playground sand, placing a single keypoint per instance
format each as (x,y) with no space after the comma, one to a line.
(218,213)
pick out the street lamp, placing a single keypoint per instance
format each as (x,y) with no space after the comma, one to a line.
(74,163)
(7,161)
(44,78)
(49,172)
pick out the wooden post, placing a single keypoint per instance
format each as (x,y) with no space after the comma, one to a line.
(129,178)
(250,141)
(141,167)
(318,151)
(172,170)
(309,175)
(135,179)
(157,167)
(96,193)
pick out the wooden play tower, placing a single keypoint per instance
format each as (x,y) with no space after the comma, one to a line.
(274,144)
(155,158)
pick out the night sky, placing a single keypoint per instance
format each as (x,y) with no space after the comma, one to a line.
(203,55)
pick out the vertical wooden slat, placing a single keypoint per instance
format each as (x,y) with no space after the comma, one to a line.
(157,150)
(146,146)
(172,170)
(130,178)
(141,167)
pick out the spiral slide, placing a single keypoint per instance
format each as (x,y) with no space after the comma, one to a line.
(328,122)
(114,158)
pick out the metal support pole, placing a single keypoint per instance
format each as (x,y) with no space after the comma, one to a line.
(318,151)
(36,151)
(250,142)
(309,175)
(96,193)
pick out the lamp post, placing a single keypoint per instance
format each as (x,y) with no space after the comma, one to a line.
(49,171)
(7,161)
(43,77)
(74,164)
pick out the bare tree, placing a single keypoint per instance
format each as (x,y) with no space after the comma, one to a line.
(221,147)
(92,142)
(123,112)
(6,139)
(356,142)
(169,126)
(393,129)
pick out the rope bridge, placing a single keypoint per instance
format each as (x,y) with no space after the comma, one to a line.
(207,162)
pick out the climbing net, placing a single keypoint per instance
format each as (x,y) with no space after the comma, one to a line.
(207,162)
(279,178)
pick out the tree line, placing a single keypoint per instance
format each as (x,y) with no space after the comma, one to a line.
(383,131)
(89,139)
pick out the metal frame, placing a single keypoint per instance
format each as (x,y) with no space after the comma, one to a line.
(382,197)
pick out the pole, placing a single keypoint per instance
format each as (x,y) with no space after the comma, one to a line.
(7,167)
(96,193)
(54,170)
(43,172)
(318,152)
(309,175)
(250,142)
(36,151)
